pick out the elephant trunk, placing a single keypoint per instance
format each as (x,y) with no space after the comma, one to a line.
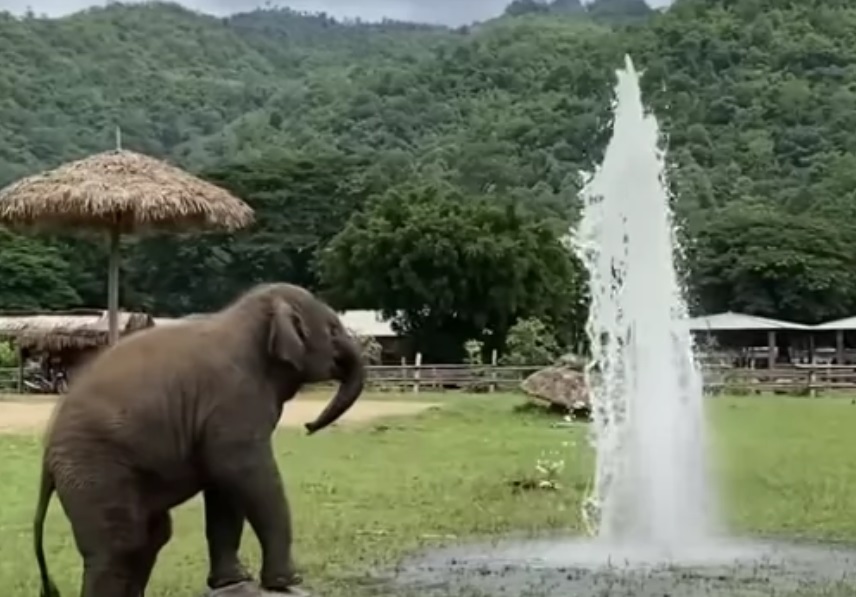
(352,378)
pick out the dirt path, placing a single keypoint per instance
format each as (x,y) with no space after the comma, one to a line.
(32,414)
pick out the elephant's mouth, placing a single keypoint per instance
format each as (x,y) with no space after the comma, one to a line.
(345,360)
(339,369)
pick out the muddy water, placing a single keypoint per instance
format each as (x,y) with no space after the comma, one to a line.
(571,568)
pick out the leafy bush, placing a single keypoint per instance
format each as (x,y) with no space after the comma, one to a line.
(370,347)
(8,357)
(530,342)
(474,350)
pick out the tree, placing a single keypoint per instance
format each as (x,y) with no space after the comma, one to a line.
(448,268)
(764,262)
(300,203)
(531,342)
(33,275)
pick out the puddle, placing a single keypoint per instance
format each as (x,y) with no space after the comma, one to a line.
(565,568)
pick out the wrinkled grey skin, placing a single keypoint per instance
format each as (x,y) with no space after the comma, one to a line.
(172,411)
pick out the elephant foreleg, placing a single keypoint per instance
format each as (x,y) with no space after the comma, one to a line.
(224,525)
(250,473)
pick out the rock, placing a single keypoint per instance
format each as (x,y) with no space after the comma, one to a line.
(250,589)
(562,385)
(572,361)
(293,591)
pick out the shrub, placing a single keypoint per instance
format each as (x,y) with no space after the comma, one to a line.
(370,348)
(474,350)
(530,342)
(8,356)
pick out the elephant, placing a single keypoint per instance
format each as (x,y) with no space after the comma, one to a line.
(174,411)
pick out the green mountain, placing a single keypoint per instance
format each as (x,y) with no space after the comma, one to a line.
(310,118)
(197,87)
(613,12)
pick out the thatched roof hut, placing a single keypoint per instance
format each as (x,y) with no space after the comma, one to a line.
(66,330)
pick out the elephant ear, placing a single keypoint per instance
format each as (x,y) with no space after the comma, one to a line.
(287,340)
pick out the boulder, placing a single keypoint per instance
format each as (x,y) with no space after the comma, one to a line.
(572,361)
(251,589)
(562,385)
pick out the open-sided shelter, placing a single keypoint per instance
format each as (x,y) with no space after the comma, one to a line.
(72,336)
(745,331)
(845,334)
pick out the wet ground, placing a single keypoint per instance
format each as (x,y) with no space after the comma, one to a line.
(571,568)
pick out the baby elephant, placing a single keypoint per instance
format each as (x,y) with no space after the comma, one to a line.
(173,411)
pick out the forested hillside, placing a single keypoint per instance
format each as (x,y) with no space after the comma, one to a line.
(325,127)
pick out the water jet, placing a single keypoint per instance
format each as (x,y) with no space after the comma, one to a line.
(651,488)
(652,512)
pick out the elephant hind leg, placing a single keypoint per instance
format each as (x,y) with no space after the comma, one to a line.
(112,565)
(159,532)
(110,527)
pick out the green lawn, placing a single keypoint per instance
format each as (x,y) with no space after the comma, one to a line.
(364,496)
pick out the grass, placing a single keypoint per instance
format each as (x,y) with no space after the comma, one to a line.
(363,497)
(787,466)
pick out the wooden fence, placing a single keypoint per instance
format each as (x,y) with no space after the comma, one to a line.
(8,380)
(405,378)
(805,380)
(474,378)
(794,379)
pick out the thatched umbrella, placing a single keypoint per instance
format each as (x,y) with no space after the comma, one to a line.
(122,192)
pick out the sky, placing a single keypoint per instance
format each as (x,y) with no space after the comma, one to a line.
(447,12)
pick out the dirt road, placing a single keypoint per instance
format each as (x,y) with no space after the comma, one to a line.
(31,414)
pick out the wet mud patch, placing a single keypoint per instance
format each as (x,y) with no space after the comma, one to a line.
(572,567)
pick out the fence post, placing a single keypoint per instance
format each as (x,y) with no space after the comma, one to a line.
(416,375)
(494,359)
(812,379)
(402,374)
(20,355)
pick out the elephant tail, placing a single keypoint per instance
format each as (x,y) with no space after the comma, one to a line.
(46,489)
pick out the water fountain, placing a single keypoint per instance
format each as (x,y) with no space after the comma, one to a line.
(651,486)
(652,512)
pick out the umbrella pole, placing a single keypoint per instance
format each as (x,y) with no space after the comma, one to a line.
(113,287)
